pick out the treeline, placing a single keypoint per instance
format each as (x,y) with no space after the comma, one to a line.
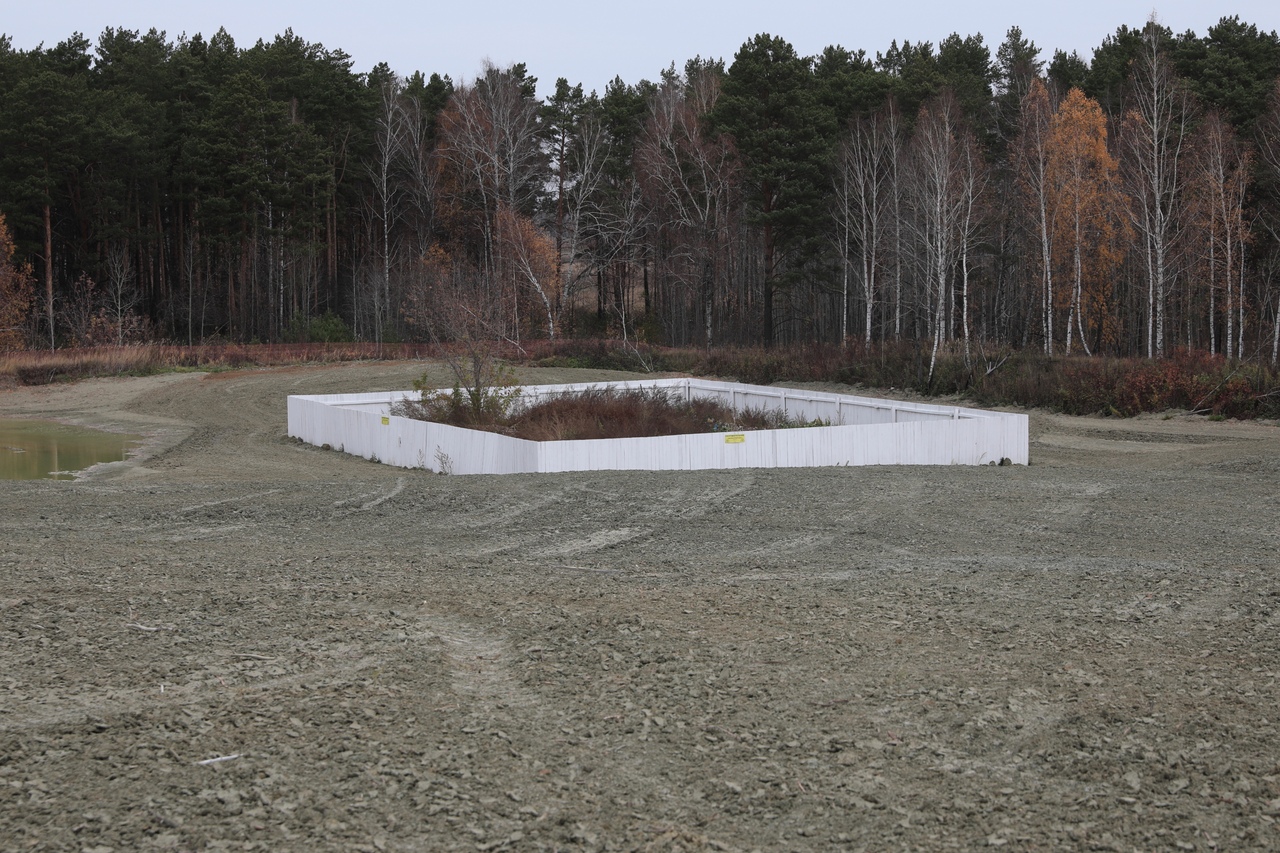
(938,195)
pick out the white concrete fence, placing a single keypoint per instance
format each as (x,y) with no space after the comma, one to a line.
(864,431)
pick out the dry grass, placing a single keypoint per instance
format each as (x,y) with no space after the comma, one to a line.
(598,413)
(636,413)
(1077,385)
(41,367)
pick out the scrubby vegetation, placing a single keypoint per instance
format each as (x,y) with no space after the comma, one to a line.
(592,413)
(41,367)
(1187,380)
(979,190)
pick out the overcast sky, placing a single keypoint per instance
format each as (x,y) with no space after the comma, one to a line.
(591,42)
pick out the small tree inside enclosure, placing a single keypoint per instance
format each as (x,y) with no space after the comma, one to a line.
(459,307)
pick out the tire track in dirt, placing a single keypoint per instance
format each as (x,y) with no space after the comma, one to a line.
(595,541)
(1077,654)
(478,662)
(33,712)
(371,503)
(239,498)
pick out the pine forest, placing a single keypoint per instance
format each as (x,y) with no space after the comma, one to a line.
(960,196)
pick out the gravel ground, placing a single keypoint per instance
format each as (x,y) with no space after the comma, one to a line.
(236,641)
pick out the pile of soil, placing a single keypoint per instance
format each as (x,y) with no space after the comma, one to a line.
(241,642)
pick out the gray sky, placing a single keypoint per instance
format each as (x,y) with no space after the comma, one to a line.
(591,42)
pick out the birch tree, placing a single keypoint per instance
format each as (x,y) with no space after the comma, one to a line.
(939,204)
(689,176)
(121,298)
(532,257)
(489,137)
(1268,137)
(973,179)
(1222,167)
(896,188)
(421,174)
(1154,138)
(861,186)
(491,144)
(1032,152)
(384,200)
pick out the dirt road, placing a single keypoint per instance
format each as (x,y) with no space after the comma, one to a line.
(239,642)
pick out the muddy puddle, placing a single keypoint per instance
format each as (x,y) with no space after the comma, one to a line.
(38,450)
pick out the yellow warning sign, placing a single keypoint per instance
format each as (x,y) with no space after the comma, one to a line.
(735,438)
(386,421)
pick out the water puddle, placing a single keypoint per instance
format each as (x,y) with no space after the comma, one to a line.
(39,450)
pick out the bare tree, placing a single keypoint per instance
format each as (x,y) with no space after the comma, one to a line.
(896,188)
(383,206)
(689,177)
(1268,136)
(1154,135)
(1032,153)
(1222,168)
(489,136)
(420,173)
(939,201)
(974,177)
(121,297)
(862,187)
(454,305)
(489,140)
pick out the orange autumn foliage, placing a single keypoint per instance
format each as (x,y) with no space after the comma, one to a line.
(1089,226)
(528,259)
(17,292)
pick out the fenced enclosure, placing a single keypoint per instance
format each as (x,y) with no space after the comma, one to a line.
(863,431)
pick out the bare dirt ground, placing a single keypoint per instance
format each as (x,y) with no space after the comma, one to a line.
(1079,654)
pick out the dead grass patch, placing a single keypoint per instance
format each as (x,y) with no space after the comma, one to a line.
(599,413)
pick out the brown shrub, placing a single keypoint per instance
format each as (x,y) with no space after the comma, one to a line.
(599,413)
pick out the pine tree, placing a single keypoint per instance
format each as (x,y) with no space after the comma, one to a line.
(769,106)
